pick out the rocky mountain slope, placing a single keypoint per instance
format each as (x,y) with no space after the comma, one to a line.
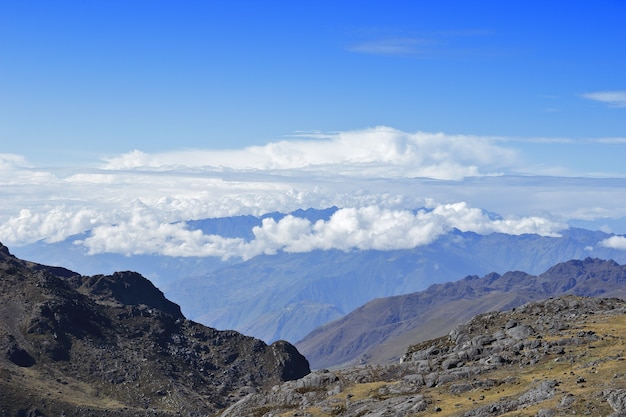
(113,345)
(557,357)
(378,331)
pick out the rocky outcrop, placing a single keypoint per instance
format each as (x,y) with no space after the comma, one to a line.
(556,357)
(114,345)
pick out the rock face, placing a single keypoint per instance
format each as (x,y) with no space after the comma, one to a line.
(556,357)
(115,346)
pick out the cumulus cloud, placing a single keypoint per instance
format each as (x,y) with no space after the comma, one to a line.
(145,233)
(612,98)
(348,229)
(614,242)
(385,229)
(378,152)
(15,170)
(53,225)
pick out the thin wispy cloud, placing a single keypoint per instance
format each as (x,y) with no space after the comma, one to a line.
(393,46)
(614,141)
(545,140)
(429,45)
(611,98)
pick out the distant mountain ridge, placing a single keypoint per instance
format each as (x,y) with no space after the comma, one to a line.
(377,331)
(285,296)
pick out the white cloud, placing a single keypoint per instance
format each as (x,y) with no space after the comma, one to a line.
(347,229)
(380,174)
(10,161)
(615,140)
(614,242)
(612,98)
(145,233)
(15,170)
(379,152)
(52,225)
(385,229)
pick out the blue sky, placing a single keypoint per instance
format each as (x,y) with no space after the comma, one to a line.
(98,96)
(87,79)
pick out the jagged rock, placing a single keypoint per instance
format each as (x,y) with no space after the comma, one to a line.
(14,353)
(317,380)
(520,332)
(543,391)
(617,401)
(567,400)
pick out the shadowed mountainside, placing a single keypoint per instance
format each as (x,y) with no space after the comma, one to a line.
(115,346)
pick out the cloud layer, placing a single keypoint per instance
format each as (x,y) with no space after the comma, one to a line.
(376,152)
(348,229)
(138,202)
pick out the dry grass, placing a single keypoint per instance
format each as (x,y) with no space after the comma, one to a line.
(584,371)
(42,383)
(601,365)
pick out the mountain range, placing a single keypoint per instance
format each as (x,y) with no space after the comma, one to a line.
(114,345)
(288,295)
(378,331)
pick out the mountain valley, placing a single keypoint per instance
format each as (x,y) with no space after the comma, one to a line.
(288,295)
(378,331)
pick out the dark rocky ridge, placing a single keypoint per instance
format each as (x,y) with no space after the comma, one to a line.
(115,346)
(378,331)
